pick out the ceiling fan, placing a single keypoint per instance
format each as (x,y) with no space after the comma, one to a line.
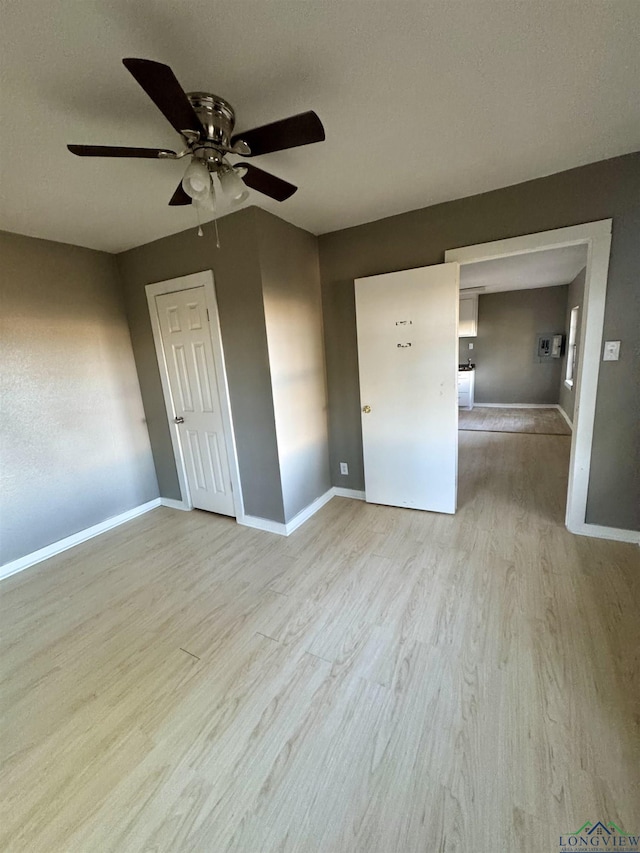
(206,123)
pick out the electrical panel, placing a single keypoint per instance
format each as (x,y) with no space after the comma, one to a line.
(550,346)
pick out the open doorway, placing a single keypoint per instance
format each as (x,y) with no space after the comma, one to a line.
(519,355)
(514,405)
(594,239)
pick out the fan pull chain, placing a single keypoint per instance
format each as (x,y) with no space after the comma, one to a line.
(200,232)
(215,221)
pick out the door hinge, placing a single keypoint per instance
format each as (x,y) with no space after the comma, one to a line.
(207,315)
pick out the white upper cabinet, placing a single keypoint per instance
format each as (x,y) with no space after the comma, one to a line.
(468,323)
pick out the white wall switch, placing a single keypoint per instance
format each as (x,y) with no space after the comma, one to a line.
(611,351)
(470,346)
(344,468)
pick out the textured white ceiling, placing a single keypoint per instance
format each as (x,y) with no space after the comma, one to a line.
(422,102)
(546,268)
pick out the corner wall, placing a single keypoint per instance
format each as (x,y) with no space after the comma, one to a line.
(75,448)
(238,284)
(293,315)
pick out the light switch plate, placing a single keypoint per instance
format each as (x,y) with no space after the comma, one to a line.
(470,346)
(611,351)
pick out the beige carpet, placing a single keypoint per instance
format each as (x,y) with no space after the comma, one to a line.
(539,421)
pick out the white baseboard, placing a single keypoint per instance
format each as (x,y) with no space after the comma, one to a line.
(283,529)
(263,524)
(566,417)
(172,504)
(595,530)
(70,541)
(515,406)
(308,511)
(600,532)
(349,493)
(89,533)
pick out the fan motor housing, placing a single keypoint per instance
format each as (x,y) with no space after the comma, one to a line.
(217,116)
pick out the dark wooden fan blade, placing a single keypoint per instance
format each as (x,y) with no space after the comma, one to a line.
(180,197)
(301,129)
(117,151)
(268,184)
(160,83)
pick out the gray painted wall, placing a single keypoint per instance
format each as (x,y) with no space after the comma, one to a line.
(507,370)
(575,297)
(75,448)
(609,189)
(293,314)
(238,283)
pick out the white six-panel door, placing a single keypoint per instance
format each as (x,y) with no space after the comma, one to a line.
(407,325)
(188,355)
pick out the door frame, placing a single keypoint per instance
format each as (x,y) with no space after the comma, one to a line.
(173,285)
(596,236)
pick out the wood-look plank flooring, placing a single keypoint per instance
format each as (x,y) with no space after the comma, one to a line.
(383,680)
(537,421)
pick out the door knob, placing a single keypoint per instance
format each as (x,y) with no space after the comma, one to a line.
(178,420)
(366,409)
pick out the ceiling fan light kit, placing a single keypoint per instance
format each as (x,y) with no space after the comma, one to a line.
(232,185)
(196,180)
(206,201)
(206,123)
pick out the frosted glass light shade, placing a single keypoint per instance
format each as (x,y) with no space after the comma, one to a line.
(196,181)
(232,186)
(206,201)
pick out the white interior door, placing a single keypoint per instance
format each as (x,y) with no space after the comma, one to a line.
(408,360)
(188,355)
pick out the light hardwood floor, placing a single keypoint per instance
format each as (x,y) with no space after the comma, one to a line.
(489,419)
(384,680)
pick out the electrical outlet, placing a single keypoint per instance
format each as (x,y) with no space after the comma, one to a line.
(470,346)
(344,468)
